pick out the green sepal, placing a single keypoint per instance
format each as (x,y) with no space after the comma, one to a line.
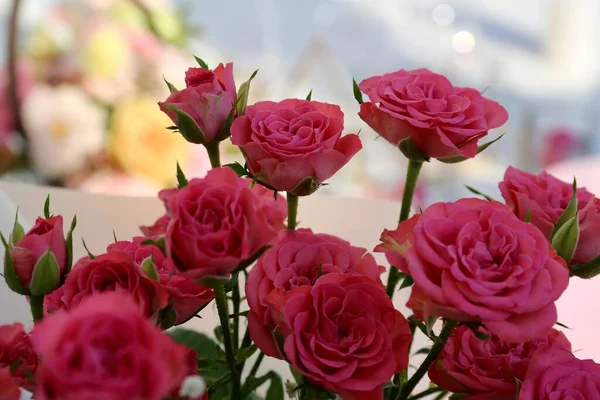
(46,275)
(566,238)
(181,179)
(172,88)
(243,93)
(201,63)
(570,211)
(309,96)
(69,244)
(188,128)
(17,232)
(457,159)
(587,270)
(149,268)
(10,275)
(410,151)
(357,93)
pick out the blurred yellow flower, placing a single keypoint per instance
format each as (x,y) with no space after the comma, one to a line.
(140,142)
(106,53)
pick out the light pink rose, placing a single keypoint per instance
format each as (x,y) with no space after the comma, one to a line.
(17,355)
(343,334)
(207,99)
(9,389)
(186,296)
(296,260)
(218,222)
(556,374)
(487,369)
(294,145)
(547,197)
(440,119)
(474,260)
(105,349)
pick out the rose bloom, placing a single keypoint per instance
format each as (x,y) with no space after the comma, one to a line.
(15,349)
(9,389)
(546,198)
(556,374)
(474,260)
(159,228)
(343,333)
(218,222)
(114,271)
(294,145)
(105,349)
(440,119)
(208,99)
(487,369)
(186,296)
(297,260)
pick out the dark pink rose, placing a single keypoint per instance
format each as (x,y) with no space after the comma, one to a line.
(395,244)
(105,349)
(110,272)
(556,374)
(296,260)
(343,334)
(547,197)
(294,145)
(487,369)
(207,99)
(46,235)
(218,222)
(9,389)
(440,119)
(186,296)
(159,228)
(474,260)
(17,354)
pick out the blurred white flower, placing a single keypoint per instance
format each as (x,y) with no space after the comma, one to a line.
(192,387)
(114,183)
(64,127)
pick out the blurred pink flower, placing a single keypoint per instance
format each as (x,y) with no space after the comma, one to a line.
(24,85)
(558,145)
(113,183)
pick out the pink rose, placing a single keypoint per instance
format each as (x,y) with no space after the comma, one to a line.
(9,389)
(17,355)
(487,369)
(105,349)
(46,235)
(440,119)
(547,197)
(343,334)
(297,260)
(556,374)
(208,99)
(114,271)
(218,222)
(159,228)
(294,145)
(395,244)
(187,297)
(473,260)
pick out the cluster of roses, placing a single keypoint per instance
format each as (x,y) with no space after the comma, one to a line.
(491,271)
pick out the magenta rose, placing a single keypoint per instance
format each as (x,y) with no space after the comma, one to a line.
(9,389)
(104,348)
(186,296)
(343,334)
(474,260)
(114,271)
(487,369)
(46,235)
(218,222)
(296,260)
(556,374)
(545,198)
(294,145)
(17,355)
(159,228)
(208,99)
(440,119)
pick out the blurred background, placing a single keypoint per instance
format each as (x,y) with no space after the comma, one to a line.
(90,73)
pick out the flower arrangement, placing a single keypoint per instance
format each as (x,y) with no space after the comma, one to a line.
(483,275)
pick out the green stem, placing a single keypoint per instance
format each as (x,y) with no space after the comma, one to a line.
(221,301)
(426,393)
(431,357)
(412,175)
(36,303)
(236,316)
(256,365)
(214,154)
(292,203)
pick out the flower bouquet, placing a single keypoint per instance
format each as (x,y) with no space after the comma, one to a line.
(483,275)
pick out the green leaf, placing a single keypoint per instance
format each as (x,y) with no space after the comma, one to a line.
(172,89)
(46,275)
(275,391)
(188,128)
(243,93)
(167,317)
(89,253)
(225,130)
(218,331)
(69,242)
(237,168)
(478,193)
(149,268)
(457,159)
(10,276)
(566,238)
(201,63)
(570,211)
(309,96)
(245,353)
(160,243)
(206,348)
(356,90)
(181,179)
(408,148)
(47,207)
(588,270)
